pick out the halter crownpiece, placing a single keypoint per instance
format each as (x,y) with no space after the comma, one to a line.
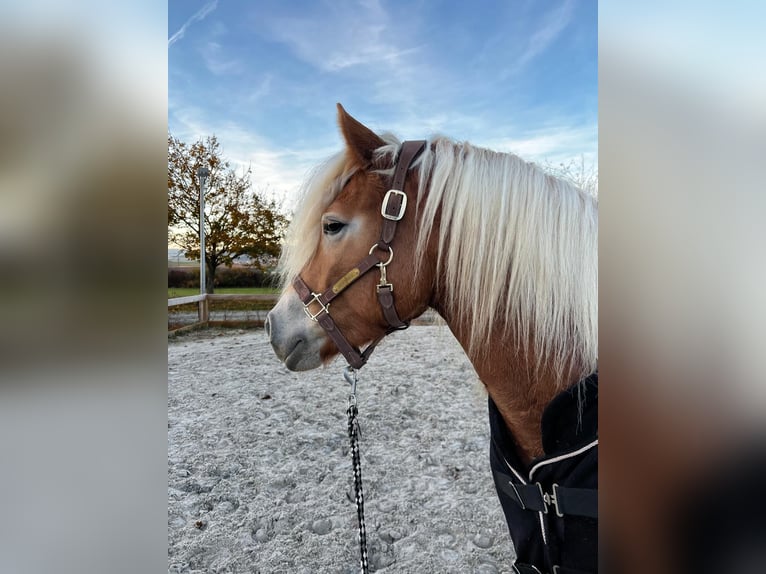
(392,210)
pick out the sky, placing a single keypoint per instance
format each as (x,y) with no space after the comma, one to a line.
(512,75)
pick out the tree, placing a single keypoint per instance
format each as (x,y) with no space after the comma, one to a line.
(238,221)
(579,173)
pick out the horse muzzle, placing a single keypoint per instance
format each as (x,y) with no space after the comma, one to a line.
(296,340)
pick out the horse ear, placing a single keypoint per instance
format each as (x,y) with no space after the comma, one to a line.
(360,140)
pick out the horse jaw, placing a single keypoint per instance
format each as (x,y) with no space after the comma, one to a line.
(297,340)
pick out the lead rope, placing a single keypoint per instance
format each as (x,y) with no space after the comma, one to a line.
(353,434)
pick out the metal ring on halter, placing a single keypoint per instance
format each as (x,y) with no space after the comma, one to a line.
(390,254)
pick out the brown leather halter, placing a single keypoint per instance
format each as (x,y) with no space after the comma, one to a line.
(393,209)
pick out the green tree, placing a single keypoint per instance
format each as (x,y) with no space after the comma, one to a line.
(238,221)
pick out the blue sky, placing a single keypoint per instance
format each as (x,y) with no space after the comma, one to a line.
(511,75)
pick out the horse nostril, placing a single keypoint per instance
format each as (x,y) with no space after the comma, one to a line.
(267,326)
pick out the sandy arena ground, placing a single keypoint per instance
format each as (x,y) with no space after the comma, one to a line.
(259,471)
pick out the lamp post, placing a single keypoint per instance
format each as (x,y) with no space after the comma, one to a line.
(202,174)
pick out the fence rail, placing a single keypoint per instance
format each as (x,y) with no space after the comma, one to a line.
(236,297)
(203,309)
(185,300)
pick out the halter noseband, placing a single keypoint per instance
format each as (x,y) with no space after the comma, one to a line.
(392,210)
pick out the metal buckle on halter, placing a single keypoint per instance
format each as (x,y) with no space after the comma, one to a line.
(550,499)
(402,207)
(324,308)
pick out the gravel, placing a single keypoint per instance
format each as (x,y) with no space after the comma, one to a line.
(259,471)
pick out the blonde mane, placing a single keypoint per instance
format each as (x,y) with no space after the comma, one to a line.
(516,247)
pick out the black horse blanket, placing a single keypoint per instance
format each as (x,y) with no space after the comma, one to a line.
(551,505)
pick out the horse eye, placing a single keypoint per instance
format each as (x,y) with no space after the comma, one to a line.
(332,227)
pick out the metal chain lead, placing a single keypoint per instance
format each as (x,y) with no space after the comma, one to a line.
(353,435)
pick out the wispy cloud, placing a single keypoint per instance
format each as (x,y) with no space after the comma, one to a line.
(276,170)
(261,91)
(200,15)
(217,62)
(363,46)
(337,39)
(554,144)
(340,44)
(554,23)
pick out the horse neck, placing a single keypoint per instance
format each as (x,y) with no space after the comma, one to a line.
(519,387)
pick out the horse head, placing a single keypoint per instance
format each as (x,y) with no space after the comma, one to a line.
(339,249)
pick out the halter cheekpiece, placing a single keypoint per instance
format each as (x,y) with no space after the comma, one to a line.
(392,210)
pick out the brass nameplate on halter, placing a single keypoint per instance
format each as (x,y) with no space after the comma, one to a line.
(345,281)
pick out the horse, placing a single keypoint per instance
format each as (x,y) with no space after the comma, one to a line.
(506,254)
